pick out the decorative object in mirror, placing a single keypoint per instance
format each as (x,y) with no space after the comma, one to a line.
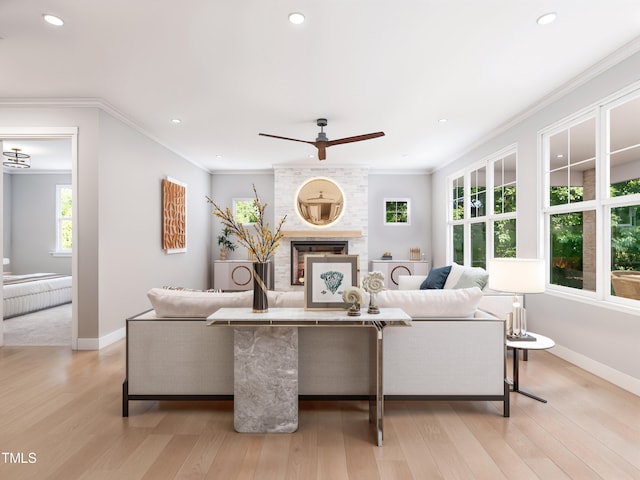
(320,202)
(356,297)
(259,240)
(373,283)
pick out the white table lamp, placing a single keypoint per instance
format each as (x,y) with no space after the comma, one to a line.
(518,276)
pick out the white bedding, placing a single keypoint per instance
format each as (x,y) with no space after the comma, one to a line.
(34,292)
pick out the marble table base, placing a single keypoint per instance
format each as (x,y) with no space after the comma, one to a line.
(265,379)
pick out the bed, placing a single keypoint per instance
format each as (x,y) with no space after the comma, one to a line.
(36,291)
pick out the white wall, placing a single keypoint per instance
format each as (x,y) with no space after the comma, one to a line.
(31,116)
(598,338)
(118,251)
(398,239)
(7,215)
(32,223)
(227,186)
(131,258)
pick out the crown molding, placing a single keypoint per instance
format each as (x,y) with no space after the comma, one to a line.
(590,73)
(99,103)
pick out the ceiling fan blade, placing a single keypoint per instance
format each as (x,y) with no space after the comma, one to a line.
(286,138)
(357,138)
(322,152)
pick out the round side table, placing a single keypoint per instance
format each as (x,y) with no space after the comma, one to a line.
(541,343)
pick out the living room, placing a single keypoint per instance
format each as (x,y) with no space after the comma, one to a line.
(118,166)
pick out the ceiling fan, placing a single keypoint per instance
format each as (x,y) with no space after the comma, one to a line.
(322,142)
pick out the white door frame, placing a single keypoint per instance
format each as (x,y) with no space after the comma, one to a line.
(43,133)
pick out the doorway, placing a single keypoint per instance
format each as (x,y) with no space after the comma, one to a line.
(43,141)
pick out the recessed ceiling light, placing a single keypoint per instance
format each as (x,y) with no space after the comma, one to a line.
(53,20)
(443,120)
(560,155)
(296,18)
(547,18)
(176,120)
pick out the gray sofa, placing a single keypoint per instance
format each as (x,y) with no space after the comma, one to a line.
(452,350)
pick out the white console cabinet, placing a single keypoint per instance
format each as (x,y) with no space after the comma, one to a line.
(236,275)
(392,269)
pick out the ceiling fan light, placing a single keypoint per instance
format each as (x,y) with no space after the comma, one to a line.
(547,18)
(53,20)
(296,18)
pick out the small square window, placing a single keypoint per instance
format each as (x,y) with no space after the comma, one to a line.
(244,210)
(397,211)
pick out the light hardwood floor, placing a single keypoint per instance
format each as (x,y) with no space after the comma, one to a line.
(64,407)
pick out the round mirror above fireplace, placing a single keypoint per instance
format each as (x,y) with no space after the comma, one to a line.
(320,202)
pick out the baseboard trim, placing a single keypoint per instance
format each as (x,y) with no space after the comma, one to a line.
(622,380)
(102,342)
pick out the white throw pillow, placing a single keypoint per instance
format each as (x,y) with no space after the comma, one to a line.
(454,275)
(458,270)
(410,282)
(454,303)
(190,304)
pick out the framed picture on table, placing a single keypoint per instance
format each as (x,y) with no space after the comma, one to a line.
(326,277)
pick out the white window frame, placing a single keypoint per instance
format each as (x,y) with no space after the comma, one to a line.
(602,205)
(396,199)
(60,220)
(490,217)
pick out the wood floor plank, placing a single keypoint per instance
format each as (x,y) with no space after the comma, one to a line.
(65,408)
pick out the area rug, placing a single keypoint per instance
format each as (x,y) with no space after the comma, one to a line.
(45,327)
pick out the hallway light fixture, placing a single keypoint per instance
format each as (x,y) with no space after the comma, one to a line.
(15,159)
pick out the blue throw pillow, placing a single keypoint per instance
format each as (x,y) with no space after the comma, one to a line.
(436,278)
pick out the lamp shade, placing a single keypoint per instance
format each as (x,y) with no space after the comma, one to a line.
(517,275)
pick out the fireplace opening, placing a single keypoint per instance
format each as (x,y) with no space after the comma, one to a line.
(301,249)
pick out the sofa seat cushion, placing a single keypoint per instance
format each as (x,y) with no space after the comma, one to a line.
(195,304)
(454,303)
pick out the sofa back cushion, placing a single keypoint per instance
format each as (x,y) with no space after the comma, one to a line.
(454,303)
(194,304)
(410,282)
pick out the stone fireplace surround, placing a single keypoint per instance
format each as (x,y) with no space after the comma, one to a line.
(352,226)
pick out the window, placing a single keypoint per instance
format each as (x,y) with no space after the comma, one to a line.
(244,210)
(482,216)
(592,201)
(64,224)
(397,211)
(571,178)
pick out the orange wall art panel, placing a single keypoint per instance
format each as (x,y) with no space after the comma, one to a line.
(174,216)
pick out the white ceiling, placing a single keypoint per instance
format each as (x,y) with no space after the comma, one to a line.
(232,69)
(46,155)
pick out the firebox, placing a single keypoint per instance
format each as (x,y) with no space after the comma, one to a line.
(299,249)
